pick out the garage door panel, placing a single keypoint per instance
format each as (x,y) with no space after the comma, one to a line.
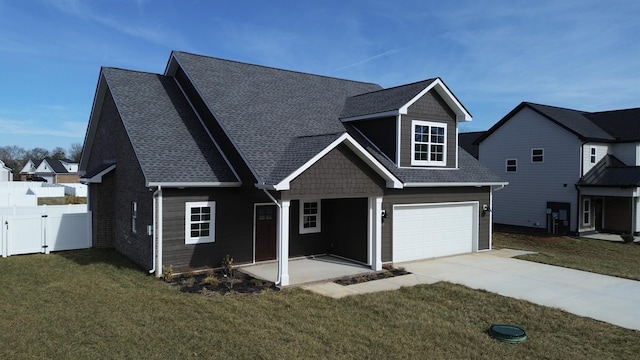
(427,231)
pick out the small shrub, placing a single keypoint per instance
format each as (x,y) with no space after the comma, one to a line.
(627,238)
(167,273)
(211,281)
(256,282)
(228,271)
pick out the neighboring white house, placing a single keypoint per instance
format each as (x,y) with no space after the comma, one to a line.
(52,170)
(6,174)
(569,171)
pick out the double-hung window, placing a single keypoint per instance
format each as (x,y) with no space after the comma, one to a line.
(200,222)
(593,155)
(429,143)
(134,217)
(309,216)
(511,165)
(537,155)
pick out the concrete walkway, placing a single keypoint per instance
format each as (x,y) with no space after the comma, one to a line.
(605,298)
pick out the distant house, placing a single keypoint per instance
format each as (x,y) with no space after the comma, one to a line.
(468,141)
(219,157)
(569,171)
(6,173)
(54,171)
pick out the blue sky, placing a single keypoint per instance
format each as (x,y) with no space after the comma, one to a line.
(579,54)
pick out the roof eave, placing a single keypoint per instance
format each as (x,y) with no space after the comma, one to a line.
(439,86)
(454,184)
(155,184)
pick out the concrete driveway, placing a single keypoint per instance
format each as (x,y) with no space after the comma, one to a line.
(605,298)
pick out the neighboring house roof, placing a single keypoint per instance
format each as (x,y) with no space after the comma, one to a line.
(169,140)
(468,142)
(56,166)
(611,172)
(606,126)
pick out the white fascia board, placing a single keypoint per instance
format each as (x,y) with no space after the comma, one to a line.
(371,116)
(193,184)
(441,88)
(392,181)
(97,178)
(454,184)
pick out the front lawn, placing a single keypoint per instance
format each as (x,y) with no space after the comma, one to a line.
(598,256)
(92,304)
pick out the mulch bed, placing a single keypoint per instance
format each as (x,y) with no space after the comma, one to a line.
(216,283)
(386,272)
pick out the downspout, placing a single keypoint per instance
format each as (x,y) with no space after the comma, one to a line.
(153,236)
(157,232)
(279,223)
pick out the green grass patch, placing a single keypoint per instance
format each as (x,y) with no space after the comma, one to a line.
(598,256)
(96,304)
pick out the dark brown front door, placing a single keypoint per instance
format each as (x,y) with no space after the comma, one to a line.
(266,232)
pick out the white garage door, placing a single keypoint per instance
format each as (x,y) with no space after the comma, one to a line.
(433,230)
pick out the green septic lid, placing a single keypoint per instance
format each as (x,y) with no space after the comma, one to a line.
(507,333)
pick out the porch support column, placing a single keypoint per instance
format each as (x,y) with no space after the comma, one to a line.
(283,243)
(375,233)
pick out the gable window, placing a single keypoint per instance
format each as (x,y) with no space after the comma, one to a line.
(511,165)
(134,217)
(593,155)
(537,155)
(309,216)
(200,222)
(428,145)
(586,212)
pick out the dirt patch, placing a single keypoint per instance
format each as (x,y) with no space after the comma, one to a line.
(215,282)
(386,272)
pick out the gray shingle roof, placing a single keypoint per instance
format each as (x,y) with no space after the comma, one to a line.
(611,172)
(268,111)
(607,126)
(382,100)
(169,141)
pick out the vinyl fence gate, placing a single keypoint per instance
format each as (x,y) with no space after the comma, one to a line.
(44,229)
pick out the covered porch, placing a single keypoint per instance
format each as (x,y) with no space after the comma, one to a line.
(609,211)
(308,269)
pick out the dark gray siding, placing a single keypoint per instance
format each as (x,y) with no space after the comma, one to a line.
(617,214)
(382,133)
(434,195)
(233,227)
(431,107)
(306,244)
(340,173)
(120,188)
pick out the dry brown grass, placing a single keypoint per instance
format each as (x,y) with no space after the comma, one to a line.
(95,304)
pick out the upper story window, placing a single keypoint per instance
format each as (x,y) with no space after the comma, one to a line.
(429,143)
(309,216)
(511,165)
(593,155)
(200,222)
(537,155)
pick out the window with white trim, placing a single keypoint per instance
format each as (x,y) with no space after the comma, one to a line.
(593,155)
(200,222)
(511,165)
(429,143)
(134,217)
(586,212)
(537,155)
(309,216)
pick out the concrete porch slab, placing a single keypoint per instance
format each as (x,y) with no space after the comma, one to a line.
(308,270)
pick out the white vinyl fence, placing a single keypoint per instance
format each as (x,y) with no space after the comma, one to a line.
(42,229)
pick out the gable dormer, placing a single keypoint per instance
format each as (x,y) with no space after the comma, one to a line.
(414,125)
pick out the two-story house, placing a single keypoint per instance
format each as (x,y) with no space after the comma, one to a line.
(569,171)
(54,171)
(218,157)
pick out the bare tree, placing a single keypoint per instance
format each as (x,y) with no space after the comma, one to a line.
(37,154)
(13,157)
(58,153)
(75,152)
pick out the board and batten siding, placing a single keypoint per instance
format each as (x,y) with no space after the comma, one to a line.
(430,107)
(524,201)
(392,197)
